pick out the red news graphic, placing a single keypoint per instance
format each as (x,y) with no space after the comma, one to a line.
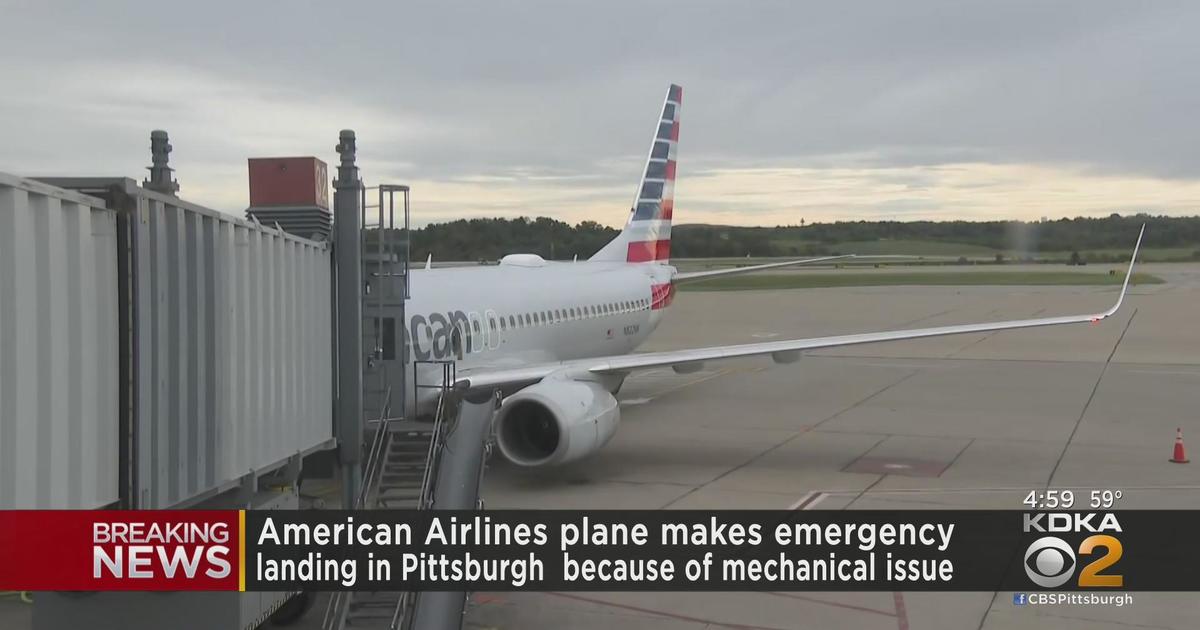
(75,550)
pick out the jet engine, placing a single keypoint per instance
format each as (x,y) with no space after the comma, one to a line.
(555,422)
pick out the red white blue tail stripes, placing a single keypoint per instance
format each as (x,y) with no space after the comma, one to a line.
(647,233)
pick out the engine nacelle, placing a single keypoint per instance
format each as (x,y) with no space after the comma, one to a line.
(555,422)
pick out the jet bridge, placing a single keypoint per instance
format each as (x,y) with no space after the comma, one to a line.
(173,356)
(211,353)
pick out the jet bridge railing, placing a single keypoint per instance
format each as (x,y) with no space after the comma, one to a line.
(405,605)
(386,238)
(384,241)
(339,601)
(376,451)
(447,381)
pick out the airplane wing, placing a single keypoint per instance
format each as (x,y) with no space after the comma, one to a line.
(705,275)
(786,351)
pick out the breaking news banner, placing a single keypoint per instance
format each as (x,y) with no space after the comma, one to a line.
(600,550)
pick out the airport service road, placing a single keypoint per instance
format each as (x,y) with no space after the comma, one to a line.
(972,421)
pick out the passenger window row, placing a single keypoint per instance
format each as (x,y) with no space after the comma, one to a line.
(560,315)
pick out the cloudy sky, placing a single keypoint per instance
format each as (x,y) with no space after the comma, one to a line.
(817,111)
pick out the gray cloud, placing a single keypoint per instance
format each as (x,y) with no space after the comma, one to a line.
(446,90)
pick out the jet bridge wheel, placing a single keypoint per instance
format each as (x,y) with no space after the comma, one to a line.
(292,610)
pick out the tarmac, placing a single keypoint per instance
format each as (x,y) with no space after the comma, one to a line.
(974,421)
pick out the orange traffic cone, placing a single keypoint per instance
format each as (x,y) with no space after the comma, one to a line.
(1180,456)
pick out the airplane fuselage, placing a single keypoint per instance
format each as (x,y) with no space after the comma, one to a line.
(527,311)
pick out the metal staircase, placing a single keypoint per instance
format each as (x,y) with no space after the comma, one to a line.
(400,473)
(405,466)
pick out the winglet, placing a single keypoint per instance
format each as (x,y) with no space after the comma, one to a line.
(429,262)
(1128,275)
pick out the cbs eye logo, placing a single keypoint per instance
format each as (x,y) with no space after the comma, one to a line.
(1050,561)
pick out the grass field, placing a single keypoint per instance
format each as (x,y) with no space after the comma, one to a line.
(901,247)
(753,282)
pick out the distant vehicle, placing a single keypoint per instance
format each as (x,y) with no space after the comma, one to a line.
(557,338)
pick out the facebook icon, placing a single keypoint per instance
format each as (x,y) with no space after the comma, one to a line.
(1019,599)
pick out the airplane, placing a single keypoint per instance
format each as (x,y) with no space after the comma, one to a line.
(557,338)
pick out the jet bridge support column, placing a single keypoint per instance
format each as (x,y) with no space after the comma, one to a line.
(348,257)
(457,488)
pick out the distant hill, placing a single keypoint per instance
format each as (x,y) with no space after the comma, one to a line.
(489,239)
(1096,239)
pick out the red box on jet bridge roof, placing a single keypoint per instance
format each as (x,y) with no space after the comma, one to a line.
(289,181)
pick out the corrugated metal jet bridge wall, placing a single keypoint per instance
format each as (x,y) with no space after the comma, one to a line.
(152,352)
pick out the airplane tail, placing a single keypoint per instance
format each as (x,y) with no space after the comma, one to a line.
(647,234)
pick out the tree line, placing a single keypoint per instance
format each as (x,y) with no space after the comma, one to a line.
(490,239)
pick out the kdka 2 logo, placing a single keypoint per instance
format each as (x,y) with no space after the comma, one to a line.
(1051,561)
